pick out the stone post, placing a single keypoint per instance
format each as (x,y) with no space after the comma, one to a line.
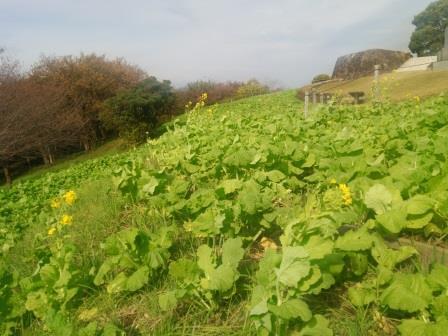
(307,103)
(321,98)
(314,97)
(376,82)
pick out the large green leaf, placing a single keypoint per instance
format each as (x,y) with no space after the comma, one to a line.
(359,240)
(292,309)
(407,292)
(317,326)
(167,301)
(438,278)
(137,279)
(318,247)
(221,279)
(232,252)
(422,328)
(378,198)
(393,220)
(294,266)
(419,205)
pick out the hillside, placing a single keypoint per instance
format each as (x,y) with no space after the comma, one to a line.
(241,219)
(395,86)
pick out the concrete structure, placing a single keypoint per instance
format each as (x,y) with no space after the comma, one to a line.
(417,64)
(442,57)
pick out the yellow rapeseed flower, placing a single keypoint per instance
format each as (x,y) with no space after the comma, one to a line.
(51,231)
(346,194)
(69,197)
(66,219)
(55,203)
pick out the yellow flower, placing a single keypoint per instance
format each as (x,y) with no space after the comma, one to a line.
(66,219)
(51,231)
(55,203)
(69,197)
(333,181)
(346,194)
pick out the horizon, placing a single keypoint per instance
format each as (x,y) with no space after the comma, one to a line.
(277,43)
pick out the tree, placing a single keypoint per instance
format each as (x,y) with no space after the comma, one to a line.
(34,124)
(87,81)
(428,37)
(134,112)
(252,88)
(321,78)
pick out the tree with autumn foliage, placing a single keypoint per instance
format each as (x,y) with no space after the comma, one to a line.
(87,82)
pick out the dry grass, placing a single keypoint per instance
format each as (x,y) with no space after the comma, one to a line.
(396,86)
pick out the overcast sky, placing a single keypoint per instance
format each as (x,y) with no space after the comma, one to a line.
(282,42)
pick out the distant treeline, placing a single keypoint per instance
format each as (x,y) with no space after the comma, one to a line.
(69,104)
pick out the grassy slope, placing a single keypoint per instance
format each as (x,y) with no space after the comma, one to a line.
(112,147)
(100,212)
(397,86)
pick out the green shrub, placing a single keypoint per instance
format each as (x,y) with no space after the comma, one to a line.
(321,78)
(133,113)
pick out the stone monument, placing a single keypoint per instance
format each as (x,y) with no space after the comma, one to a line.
(442,57)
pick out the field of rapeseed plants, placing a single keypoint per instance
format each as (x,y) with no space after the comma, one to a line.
(245,209)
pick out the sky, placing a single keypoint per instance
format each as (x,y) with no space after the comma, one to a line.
(281,42)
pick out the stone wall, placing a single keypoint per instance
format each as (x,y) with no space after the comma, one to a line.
(362,64)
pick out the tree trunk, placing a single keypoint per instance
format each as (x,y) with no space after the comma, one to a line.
(50,156)
(7,174)
(86,145)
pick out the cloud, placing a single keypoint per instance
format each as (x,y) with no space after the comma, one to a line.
(285,41)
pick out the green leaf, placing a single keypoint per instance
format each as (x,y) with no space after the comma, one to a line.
(232,252)
(293,267)
(439,307)
(314,276)
(378,198)
(419,221)
(358,263)
(318,247)
(317,326)
(184,270)
(359,240)
(275,176)
(151,185)
(438,278)
(407,292)
(205,261)
(230,186)
(222,279)
(168,301)
(37,302)
(89,330)
(208,223)
(259,309)
(393,220)
(292,309)
(389,258)
(422,328)
(419,205)
(118,284)
(361,295)
(250,197)
(138,279)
